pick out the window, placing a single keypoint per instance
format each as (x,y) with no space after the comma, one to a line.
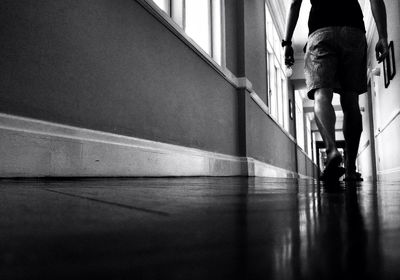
(308,136)
(198,23)
(277,87)
(279,97)
(163,4)
(273,102)
(286,111)
(201,20)
(299,119)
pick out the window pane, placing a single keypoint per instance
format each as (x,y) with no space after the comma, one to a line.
(286,104)
(283,101)
(198,23)
(272,85)
(279,97)
(299,119)
(308,127)
(276,44)
(177,12)
(277,80)
(269,24)
(163,4)
(274,101)
(217,31)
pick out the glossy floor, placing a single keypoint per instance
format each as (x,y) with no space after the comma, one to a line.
(198,228)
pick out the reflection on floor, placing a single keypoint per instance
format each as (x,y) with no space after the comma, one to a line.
(198,228)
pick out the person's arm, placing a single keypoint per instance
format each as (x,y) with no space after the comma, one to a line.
(293,16)
(379,12)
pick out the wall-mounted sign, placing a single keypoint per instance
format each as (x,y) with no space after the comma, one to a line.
(389,66)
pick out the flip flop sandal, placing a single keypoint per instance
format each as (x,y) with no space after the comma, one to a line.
(334,174)
(332,170)
(353,177)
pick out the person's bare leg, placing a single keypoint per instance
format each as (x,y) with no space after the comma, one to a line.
(352,128)
(325,118)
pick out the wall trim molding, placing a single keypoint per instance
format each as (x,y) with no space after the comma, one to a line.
(256,98)
(244,83)
(388,122)
(258,168)
(35,148)
(392,174)
(391,170)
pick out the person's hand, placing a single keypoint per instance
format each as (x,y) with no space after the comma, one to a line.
(289,58)
(381,49)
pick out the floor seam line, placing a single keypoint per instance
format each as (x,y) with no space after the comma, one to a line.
(160,213)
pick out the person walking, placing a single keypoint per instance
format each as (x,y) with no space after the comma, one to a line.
(336,62)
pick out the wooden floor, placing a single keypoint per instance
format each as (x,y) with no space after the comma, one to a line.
(198,228)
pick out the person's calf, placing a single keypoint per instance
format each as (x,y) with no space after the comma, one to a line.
(352,129)
(325,117)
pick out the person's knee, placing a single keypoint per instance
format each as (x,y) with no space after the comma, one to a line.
(352,122)
(323,96)
(357,129)
(354,115)
(349,103)
(358,125)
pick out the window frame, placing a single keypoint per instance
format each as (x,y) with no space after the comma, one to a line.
(182,20)
(276,97)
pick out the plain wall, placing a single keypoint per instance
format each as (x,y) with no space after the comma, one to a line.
(109,65)
(255,46)
(389,98)
(386,102)
(305,165)
(265,140)
(233,35)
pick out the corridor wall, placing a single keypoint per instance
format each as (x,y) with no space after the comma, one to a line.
(385,110)
(106,88)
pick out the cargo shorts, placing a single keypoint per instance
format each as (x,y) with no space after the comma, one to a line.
(336,57)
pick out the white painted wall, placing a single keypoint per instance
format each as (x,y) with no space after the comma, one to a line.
(386,101)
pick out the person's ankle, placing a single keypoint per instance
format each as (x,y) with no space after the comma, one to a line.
(332,153)
(350,171)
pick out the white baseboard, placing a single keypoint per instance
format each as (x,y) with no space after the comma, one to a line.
(258,168)
(33,148)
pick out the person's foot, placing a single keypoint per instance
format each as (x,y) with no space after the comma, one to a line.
(333,175)
(332,170)
(353,177)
